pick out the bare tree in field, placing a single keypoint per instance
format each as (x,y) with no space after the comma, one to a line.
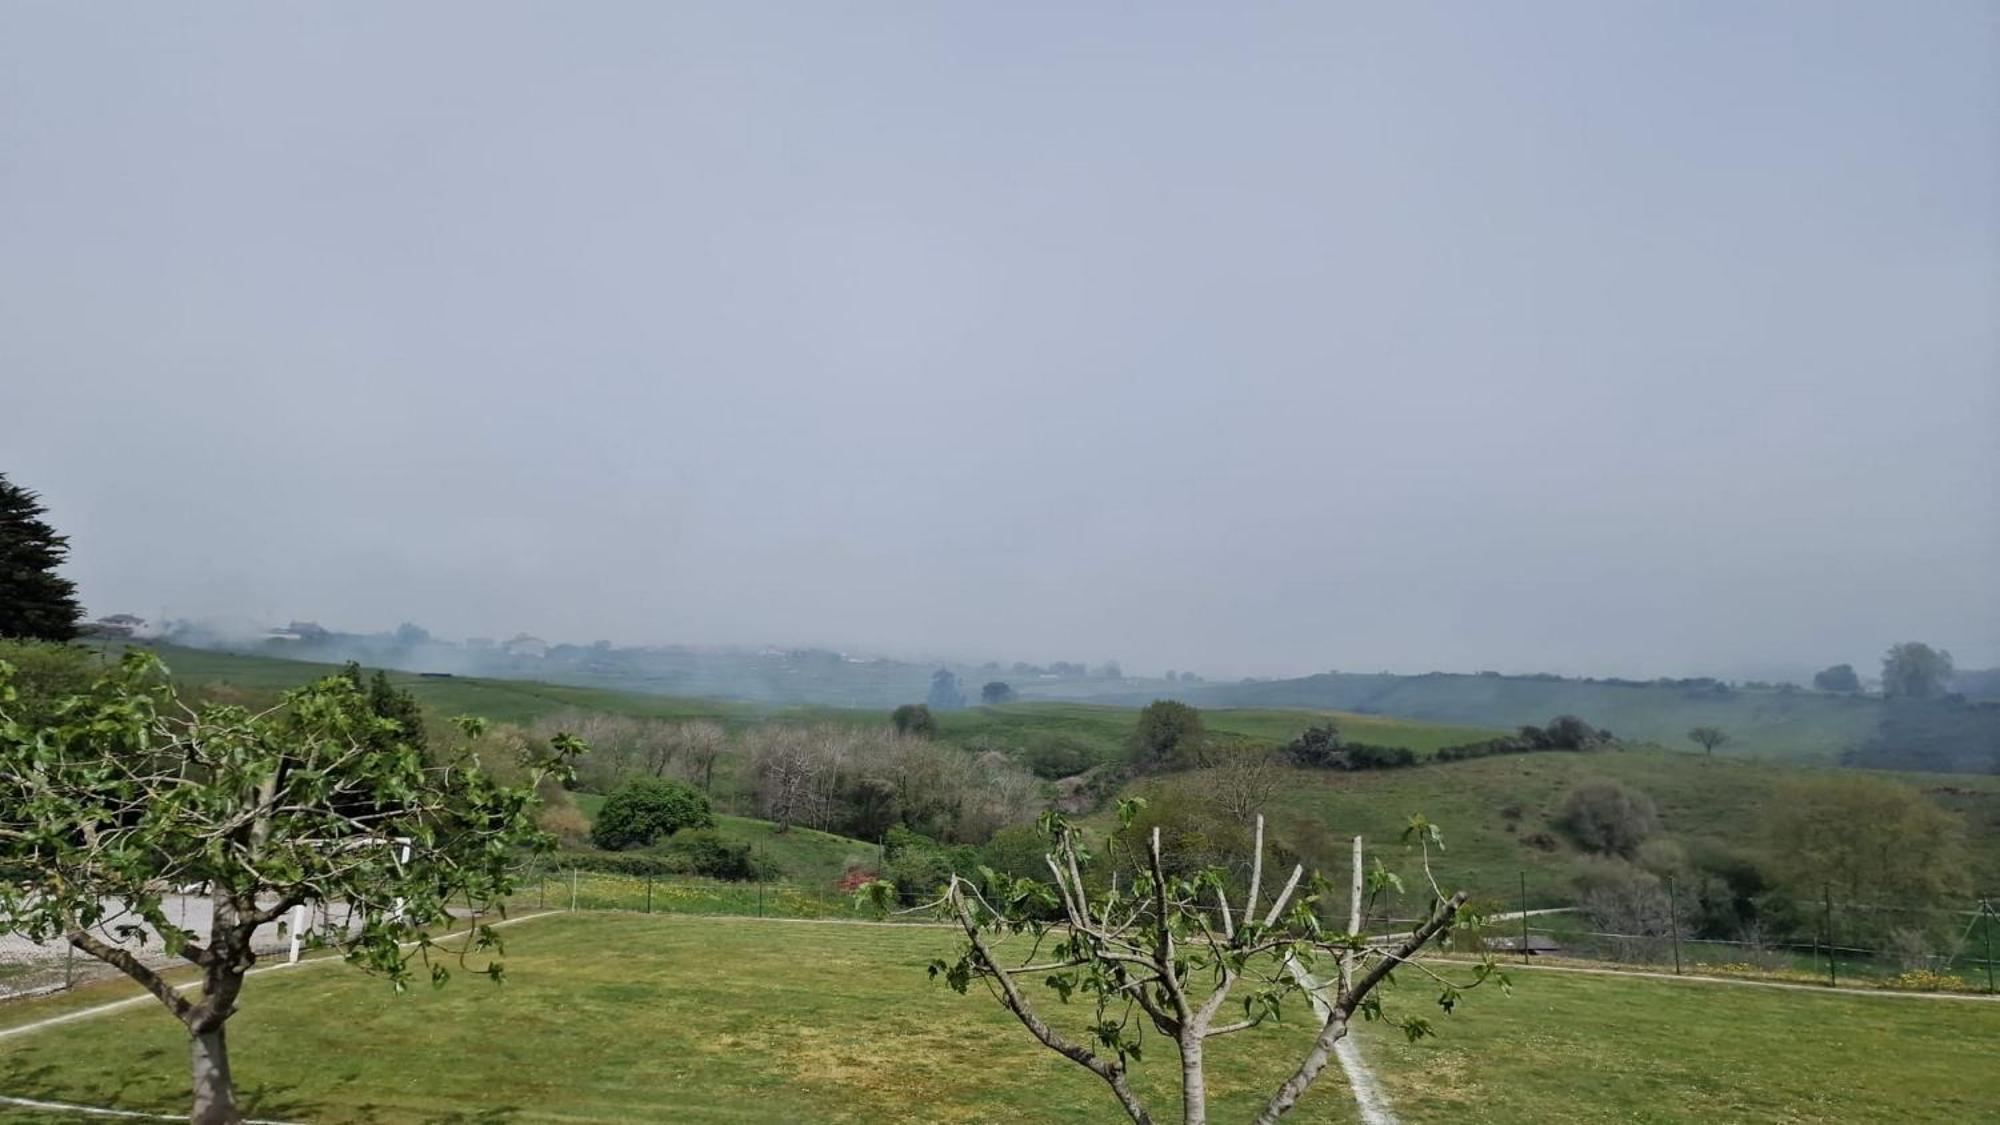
(1179,955)
(1243,782)
(702,744)
(1708,738)
(796,771)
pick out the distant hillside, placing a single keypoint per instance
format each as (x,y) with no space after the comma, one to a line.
(1960,735)
(1499,814)
(1791,725)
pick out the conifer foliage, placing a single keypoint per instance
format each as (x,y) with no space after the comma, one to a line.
(35,601)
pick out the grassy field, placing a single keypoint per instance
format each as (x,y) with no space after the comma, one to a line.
(631,1018)
(1700,799)
(1800,726)
(1107,729)
(507,701)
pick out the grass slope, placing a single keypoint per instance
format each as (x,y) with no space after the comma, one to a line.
(631,1018)
(1108,729)
(805,856)
(1699,798)
(1104,728)
(1806,727)
(510,701)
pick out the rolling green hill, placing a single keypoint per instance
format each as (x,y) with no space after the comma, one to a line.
(1800,726)
(1492,810)
(1102,728)
(1490,807)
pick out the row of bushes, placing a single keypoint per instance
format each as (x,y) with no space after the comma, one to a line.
(693,852)
(1567,732)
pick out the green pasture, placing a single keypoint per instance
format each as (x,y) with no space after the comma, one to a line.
(672,1018)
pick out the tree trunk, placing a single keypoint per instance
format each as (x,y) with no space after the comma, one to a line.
(1316,1059)
(1194,1086)
(214,1091)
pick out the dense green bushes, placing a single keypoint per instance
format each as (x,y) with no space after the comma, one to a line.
(645,809)
(1320,748)
(695,852)
(1564,732)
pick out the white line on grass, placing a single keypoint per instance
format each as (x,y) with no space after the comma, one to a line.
(1369,1101)
(100,1111)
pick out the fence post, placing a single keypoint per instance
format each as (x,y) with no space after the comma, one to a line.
(1674,923)
(1832,974)
(572,888)
(69,965)
(1988,917)
(1524,917)
(649,892)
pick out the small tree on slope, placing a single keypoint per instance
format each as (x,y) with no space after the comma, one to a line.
(1169,953)
(129,793)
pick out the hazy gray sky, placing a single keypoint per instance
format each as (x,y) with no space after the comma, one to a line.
(1614,338)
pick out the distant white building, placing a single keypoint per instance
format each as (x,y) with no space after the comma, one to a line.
(119,625)
(524,645)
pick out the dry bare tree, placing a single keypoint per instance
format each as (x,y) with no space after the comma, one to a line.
(1243,782)
(1168,953)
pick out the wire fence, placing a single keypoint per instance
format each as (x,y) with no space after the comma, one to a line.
(1947,948)
(1831,940)
(1951,947)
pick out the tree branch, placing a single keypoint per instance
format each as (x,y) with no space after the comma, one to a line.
(122,960)
(1113,1073)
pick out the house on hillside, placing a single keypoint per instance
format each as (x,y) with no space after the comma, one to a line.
(523,645)
(117,625)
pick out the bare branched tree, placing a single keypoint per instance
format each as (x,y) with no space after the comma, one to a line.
(1169,952)
(1243,782)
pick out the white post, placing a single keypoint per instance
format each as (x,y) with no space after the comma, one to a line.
(1353,920)
(298,924)
(396,915)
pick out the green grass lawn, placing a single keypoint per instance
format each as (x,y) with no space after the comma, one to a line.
(633,1018)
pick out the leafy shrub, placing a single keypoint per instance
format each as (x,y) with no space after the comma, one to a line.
(919,865)
(566,823)
(702,852)
(1606,817)
(644,809)
(1316,747)
(45,672)
(915,719)
(1320,748)
(1169,735)
(1054,756)
(1565,732)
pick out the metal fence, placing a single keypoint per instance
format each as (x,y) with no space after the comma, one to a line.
(1828,940)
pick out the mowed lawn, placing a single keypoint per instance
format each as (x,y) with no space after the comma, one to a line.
(609,1017)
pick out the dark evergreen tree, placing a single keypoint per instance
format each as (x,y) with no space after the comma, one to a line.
(35,601)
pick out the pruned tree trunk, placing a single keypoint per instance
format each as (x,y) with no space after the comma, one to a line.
(1288,1095)
(1194,1085)
(214,1090)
